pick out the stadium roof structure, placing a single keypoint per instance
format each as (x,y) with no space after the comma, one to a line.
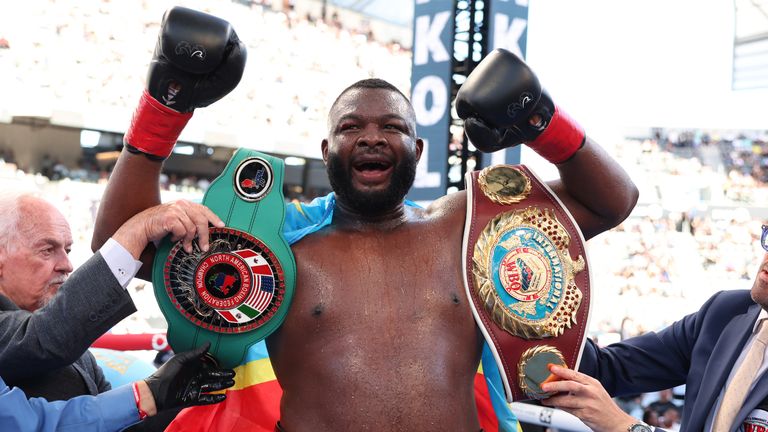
(751,18)
(398,12)
(750,62)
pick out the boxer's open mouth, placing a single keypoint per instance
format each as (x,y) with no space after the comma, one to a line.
(372,166)
(372,169)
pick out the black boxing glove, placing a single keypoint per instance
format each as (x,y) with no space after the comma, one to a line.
(503,105)
(186,379)
(198,60)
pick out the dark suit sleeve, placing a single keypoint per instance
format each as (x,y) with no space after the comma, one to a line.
(651,362)
(86,306)
(98,376)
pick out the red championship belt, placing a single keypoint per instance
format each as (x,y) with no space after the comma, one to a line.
(526,272)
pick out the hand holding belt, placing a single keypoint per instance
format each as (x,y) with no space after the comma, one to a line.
(526,273)
(238,292)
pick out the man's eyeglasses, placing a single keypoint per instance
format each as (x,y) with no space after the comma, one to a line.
(764,238)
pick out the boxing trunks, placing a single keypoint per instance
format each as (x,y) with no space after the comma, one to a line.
(526,273)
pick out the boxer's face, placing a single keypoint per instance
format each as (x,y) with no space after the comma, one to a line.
(372,150)
(36,264)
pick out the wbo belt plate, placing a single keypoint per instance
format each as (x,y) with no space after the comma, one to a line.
(235,287)
(524,274)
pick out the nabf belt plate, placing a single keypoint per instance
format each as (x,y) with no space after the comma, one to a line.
(235,287)
(527,275)
(238,292)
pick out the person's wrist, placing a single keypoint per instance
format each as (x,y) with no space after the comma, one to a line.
(561,139)
(154,128)
(624,425)
(147,403)
(135,248)
(635,425)
(129,239)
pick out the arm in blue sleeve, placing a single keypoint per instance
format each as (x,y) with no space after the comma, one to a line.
(659,360)
(110,411)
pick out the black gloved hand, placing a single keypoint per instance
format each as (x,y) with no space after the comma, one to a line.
(490,139)
(186,379)
(503,105)
(497,100)
(198,60)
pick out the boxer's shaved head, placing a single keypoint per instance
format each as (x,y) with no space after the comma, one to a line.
(375,83)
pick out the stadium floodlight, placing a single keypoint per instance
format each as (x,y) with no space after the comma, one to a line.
(184,149)
(295,161)
(89,138)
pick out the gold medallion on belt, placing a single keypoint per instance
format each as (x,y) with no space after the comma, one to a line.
(504,184)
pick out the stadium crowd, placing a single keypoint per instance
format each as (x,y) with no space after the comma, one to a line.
(75,54)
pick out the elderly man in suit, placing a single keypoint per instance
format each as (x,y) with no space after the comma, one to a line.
(49,318)
(718,352)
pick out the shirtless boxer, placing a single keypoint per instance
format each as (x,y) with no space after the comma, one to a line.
(380,335)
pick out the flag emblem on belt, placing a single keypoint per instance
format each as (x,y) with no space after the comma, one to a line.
(234,287)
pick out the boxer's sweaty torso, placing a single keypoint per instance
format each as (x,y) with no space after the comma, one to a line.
(380,335)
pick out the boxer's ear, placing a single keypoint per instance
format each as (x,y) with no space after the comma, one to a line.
(419,148)
(324,149)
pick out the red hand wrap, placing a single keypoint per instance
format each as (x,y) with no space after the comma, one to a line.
(560,140)
(137,398)
(154,127)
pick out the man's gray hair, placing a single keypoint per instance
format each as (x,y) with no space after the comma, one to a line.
(10,216)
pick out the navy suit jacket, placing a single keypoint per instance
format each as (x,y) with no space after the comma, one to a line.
(698,351)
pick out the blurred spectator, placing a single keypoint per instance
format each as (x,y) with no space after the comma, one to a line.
(631,405)
(650,417)
(664,403)
(670,419)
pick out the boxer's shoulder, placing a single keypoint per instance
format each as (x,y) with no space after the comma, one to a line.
(449,209)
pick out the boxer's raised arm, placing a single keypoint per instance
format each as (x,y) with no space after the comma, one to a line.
(198,59)
(595,188)
(132,187)
(503,105)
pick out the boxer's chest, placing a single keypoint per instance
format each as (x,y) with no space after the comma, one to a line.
(367,303)
(404,274)
(412,276)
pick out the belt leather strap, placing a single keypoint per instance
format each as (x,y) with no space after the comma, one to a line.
(238,292)
(526,272)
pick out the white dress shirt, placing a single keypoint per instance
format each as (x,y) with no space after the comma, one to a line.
(120,261)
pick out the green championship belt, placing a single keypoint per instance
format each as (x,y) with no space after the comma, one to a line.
(238,292)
